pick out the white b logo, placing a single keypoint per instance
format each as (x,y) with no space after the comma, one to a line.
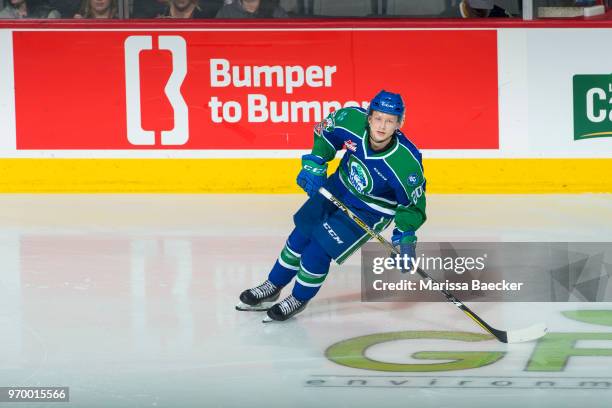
(136,134)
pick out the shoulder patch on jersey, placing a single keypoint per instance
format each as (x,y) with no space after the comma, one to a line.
(413,179)
(350,145)
(326,124)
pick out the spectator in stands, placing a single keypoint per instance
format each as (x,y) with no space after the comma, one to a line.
(481,9)
(148,8)
(252,9)
(190,9)
(28,9)
(97,9)
(66,7)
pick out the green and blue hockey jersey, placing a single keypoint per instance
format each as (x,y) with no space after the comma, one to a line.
(390,182)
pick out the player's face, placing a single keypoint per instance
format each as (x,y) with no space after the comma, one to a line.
(382,126)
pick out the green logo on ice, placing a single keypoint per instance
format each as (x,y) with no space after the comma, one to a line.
(592,106)
(551,353)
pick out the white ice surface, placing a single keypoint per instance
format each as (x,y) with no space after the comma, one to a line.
(128,300)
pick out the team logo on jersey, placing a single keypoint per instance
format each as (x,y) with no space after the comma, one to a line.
(413,179)
(327,124)
(359,176)
(350,145)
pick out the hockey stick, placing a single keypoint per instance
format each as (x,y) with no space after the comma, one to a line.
(512,336)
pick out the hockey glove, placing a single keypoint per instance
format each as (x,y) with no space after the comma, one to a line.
(313,174)
(407,244)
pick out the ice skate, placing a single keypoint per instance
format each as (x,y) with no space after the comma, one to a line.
(285,309)
(259,298)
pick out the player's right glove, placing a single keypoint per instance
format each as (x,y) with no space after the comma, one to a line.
(407,243)
(313,174)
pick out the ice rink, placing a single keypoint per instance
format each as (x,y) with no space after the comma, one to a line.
(129,301)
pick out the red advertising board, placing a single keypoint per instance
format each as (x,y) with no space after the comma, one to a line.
(239,89)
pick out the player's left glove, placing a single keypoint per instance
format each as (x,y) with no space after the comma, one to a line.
(313,174)
(407,244)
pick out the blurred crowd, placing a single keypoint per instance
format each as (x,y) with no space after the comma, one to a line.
(109,9)
(226,9)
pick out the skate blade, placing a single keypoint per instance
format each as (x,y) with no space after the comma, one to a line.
(243,307)
(268,319)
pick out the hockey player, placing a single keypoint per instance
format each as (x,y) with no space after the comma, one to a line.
(380,178)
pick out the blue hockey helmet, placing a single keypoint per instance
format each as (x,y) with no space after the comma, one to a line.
(387,102)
